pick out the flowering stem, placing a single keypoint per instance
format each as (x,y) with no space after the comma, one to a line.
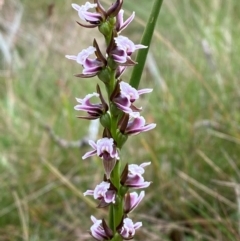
(118,115)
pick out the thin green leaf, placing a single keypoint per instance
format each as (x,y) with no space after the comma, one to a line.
(146,40)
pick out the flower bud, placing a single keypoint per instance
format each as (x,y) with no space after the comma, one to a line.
(105,120)
(105,28)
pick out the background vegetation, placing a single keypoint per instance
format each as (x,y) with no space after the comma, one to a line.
(193,68)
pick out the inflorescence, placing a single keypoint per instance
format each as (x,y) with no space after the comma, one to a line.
(118,115)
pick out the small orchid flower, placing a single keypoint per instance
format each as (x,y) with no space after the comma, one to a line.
(131,201)
(129,228)
(123,103)
(99,230)
(104,193)
(85,15)
(82,56)
(136,182)
(120,24)
(119,71)
(90,66)
(125,47)
(137,125)
(126,96)
(137,169)
(132,176)
(130,92)
(94,110)
(106,149)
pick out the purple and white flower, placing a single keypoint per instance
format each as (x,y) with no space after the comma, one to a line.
(134,178)
(131,93)
(125,47)
(120,24)
(97,230)
(90,66)
(104,148)
(137,125)
(119,71)
(132,200)
(123,103)
(85,15)
(127,96)
(83,55)
(136,182)
(129,228)
(104,193)
(135,169)
(94,110)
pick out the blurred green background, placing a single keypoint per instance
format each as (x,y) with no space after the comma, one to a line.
(193,67)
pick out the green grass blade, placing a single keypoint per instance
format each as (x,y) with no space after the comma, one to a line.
(146,40)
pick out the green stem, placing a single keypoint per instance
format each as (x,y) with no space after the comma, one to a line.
(116,210)
(146,40)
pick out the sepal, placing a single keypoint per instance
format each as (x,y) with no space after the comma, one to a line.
(107,230)
(104,103)
(124,175)
(109,165)
(115,8)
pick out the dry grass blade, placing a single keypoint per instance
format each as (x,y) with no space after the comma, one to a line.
(7,39)
(236,187)
(210,162)
(224,136)
(237,192)
(232,163)
(22,217)
(207,190)
(225,184)
(66,182)
(166,227)
(153,156)
(154,70)
(29,198)
(204,202)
